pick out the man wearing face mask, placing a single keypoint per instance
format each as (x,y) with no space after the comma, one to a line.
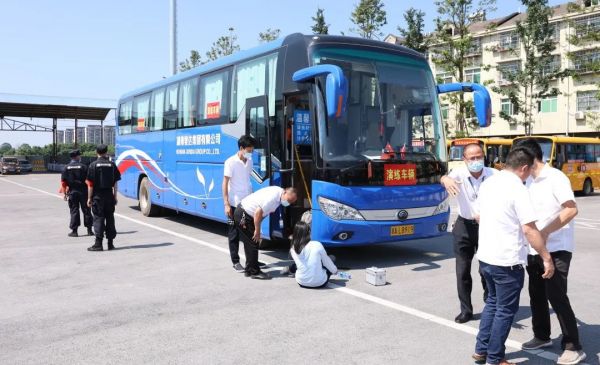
(236,186)
(463,183)
(249,216)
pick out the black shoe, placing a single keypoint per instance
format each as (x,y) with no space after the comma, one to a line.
(73,233)
(110,245)
(247,274)
(463,318)
(90,232)
(95,248)
(261,276)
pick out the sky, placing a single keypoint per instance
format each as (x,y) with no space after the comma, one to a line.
(102,49)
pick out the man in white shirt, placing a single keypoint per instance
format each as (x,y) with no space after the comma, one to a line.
(554,202)
(236,186)
(506,219)
(249,216)
(463,183)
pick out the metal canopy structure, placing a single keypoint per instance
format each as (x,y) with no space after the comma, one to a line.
(50,107)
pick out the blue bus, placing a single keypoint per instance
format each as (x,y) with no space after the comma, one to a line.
(353,124)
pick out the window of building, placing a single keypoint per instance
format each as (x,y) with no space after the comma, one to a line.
(445,111)
(555,36)
(214,98)
(549,105)
(585,61)
(188,103)
(125,117)
(255,78)
(473,75)
(475,47)
(507,71)
(170,112)
(589,3)
(587,100)
(444,77)
(141,112)
(587,25)
(552,67)
(507,107)
(508,40)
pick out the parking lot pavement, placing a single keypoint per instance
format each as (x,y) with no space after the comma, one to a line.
(169,295)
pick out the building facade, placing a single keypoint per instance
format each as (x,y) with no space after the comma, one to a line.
(93,134)
(497,51)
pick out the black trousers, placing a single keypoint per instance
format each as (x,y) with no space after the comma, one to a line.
(554,290)
(466,240)
(103,208)
(78,200)
(234,238)
(244,223)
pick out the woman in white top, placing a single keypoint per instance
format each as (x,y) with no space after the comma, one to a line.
(312,266)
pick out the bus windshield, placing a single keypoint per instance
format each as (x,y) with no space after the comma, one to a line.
(546,145)
(392,102)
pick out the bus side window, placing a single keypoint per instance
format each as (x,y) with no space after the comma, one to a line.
(491,156)
(504,150)
(559,159)
(125,117)
(170,112)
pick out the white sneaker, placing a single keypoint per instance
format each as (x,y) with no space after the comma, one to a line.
(570,357)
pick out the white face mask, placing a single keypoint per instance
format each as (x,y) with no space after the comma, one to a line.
(475,166)
(285,203)
(247,155)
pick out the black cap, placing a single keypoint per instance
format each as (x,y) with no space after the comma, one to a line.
(74,153)
(101,149)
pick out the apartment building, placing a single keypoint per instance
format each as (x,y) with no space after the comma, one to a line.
(497,51)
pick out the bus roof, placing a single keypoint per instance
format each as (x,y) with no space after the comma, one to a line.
(564,139)
(214,65)
(468,140)
(271,46)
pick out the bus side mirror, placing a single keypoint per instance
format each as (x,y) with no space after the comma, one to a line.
(336,86)
(481,99)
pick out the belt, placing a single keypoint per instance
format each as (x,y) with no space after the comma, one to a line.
(469,221)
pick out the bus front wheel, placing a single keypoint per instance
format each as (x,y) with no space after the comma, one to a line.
(145,202)
(588,188)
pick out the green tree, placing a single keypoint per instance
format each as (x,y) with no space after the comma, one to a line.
(413,36)
(320,26)
(268,35)
(4,147)
(369,16)
(189,63)
(24,150)
(453,42)
(224,46)
(529,84)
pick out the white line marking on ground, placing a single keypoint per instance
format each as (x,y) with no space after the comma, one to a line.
(355,293)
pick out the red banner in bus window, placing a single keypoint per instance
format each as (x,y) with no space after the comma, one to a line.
(399,174)
(464,142)
(141,122)
(213,110)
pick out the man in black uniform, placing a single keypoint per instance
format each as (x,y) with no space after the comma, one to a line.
(102,197)
(75,191)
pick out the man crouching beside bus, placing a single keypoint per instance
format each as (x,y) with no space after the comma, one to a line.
(248,217)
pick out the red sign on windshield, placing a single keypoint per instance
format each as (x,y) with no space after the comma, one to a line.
(399,174)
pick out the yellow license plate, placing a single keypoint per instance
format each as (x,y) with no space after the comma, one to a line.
(402,230)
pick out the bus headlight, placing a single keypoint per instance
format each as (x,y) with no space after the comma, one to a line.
(339,211)
(442,207)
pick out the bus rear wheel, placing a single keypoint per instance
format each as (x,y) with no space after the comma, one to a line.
(145,202)
(588,188)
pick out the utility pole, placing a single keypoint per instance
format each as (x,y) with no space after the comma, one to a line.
(173,33)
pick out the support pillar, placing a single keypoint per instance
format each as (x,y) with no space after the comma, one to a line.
(54,139)
(75,136)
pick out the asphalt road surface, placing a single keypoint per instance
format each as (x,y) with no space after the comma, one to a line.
(168,295)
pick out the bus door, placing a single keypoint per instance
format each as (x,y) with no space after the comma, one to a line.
(299,153)
(257,126)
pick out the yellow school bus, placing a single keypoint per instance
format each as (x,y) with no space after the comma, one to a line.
(577,157)
(495,150)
